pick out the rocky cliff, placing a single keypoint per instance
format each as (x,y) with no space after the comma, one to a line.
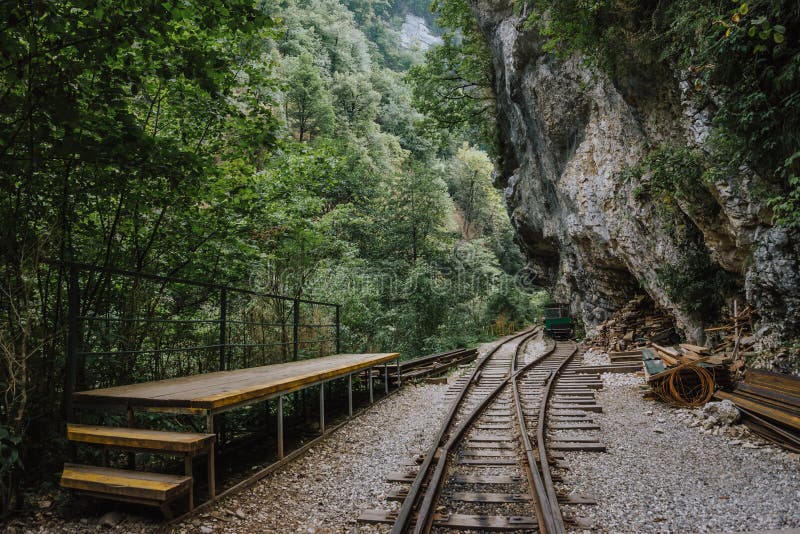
(567,136)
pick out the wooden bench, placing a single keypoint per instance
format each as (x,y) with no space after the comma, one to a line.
(153,489)
(184,444)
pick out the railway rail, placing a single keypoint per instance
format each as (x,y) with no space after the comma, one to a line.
(432,365)
(490,467)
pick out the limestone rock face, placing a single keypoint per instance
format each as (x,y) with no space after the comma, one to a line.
(566,135)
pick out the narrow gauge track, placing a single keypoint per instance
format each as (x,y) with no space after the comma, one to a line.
(485,441)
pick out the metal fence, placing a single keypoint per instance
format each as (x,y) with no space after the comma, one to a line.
(125,327)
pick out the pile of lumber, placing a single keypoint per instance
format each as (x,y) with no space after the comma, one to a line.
(633,326)
(770,406)
(686,375)
(734,337)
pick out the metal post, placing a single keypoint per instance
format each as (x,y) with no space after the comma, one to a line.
(223,328)
(188,470)
(322,407)
(350,395)
(212,477)
(398,372)
(131,424)
(370,385)
(736,328)
(280,427)
(224,364)
(73,311)
(295,329)
(386,378)
(338,330)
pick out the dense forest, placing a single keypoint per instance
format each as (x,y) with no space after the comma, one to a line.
(276,146)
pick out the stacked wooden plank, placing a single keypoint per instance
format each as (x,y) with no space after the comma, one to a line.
(734,336)
(770,405)
(633,325)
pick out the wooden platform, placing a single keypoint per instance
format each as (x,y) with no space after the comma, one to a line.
(223,390)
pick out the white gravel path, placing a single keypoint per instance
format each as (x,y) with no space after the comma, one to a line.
(661,474)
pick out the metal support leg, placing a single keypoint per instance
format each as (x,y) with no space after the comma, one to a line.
(386,378)
(398,372)
(131,455)
(189,472)
(371,398)
(280,427)
(322,408)
(350,395)
(212,476)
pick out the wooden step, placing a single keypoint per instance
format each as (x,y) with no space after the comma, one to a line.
(119,484)
(140,439)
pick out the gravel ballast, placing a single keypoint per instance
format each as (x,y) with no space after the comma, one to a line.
(326,489)
(663,472)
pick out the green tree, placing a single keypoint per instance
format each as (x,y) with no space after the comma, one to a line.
(306,103)
(414,209)
(454,85)
(355,99)
(470,184)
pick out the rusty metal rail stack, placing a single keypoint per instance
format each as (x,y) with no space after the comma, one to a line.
(433,365)
(488,468)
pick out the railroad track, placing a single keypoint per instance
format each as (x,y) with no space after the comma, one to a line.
(434,364)
(490,467)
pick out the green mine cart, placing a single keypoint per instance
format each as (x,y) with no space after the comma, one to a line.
(557,322)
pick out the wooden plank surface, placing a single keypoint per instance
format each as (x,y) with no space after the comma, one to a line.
(137,484)
(222,389)
(137,438)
